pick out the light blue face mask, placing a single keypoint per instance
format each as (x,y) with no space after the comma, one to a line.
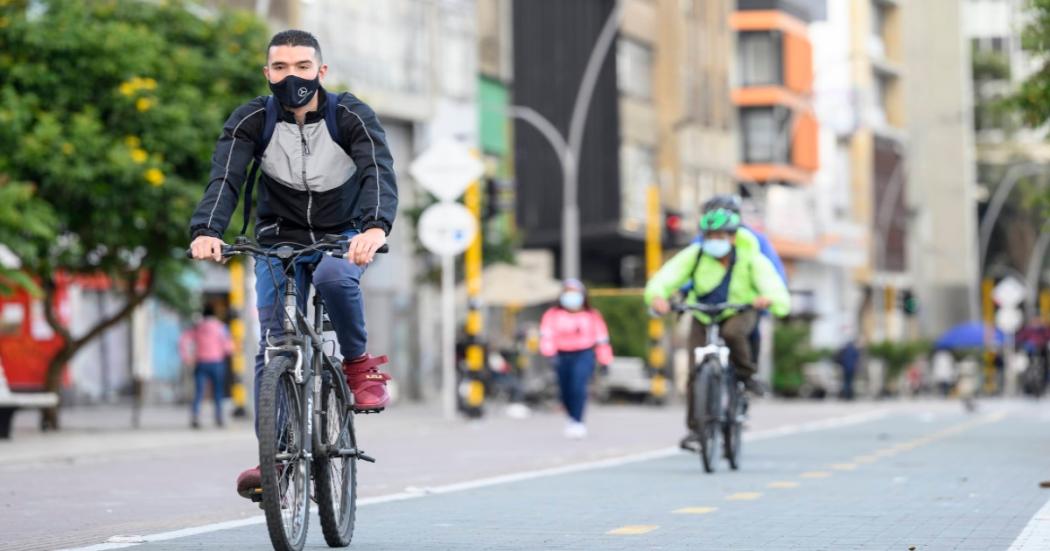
(717,248)
(571,300)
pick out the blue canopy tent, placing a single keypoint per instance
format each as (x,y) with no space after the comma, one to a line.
(968,335)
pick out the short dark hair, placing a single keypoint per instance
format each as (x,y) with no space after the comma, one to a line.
(208,310)
(295,37)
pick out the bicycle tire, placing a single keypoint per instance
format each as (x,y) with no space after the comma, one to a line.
(705,410)
(731,429)
(336,495)
(281,431)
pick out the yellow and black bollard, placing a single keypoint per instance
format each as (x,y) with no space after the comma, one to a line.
(988,311)
(472,387)
(653,259)
(237,361)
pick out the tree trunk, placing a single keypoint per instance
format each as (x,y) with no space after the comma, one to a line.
(70,346)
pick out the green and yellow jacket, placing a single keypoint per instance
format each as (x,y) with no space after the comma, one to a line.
(753,276)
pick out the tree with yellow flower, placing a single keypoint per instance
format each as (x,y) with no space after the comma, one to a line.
(108,111)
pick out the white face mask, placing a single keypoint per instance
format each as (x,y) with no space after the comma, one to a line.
(717,248)
(571,300)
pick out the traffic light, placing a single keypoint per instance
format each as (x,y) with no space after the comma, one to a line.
(673,228)
(909,302)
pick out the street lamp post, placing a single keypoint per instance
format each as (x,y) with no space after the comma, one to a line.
(995,207)
(568,150)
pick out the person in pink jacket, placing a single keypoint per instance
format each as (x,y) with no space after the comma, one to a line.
(205,346)
(576,336)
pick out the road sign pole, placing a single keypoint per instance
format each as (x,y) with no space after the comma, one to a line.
(446,229)
(448,336)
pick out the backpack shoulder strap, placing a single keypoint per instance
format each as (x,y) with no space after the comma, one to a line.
(696,264)
(269,125)
(331,119)
(273,110)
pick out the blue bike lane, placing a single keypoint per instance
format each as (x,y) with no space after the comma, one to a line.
(929,481)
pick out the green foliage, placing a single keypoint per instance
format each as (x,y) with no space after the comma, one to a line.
(111,109)
(1033,98)
(26,225)
(898,355)
(990,65)
(628,321)
(791,352)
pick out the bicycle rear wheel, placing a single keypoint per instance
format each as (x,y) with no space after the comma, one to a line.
(706,398)
(282,458)
(335,474)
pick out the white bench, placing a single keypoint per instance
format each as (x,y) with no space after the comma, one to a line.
(10,402)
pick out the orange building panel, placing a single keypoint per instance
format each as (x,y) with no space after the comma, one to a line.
(764,20)
(759,96)
(772,173)
(805,150)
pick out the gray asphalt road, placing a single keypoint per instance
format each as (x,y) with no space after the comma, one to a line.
(930,480)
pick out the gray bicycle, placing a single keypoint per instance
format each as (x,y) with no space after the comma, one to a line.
(719,400)
(305,414)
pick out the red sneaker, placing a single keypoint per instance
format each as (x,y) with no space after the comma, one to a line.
(249,481)
(367,383)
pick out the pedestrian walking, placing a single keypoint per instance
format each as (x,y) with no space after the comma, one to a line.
(943,371)
(575,335)
(205,347)
(848,357)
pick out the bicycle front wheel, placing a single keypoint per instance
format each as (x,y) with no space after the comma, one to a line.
(335,473)
(282,456)
(706,398)
(732,428)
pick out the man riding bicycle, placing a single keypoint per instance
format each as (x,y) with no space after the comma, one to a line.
(727,267)
(325,169)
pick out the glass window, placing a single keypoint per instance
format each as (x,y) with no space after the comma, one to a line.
(760,58)
(634,69)
(637,173)
(766,134)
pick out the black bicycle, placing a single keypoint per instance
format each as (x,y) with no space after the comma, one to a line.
(305,414)
(719,400)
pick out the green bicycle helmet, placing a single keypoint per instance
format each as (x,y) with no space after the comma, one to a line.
(719,219)
(726,201)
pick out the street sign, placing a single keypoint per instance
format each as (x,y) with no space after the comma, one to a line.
(445,169)
(1008,292)
(447,228)
(1009,320)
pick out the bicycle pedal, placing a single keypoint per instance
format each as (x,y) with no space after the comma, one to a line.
(361,455)
(369,411)
(256,496)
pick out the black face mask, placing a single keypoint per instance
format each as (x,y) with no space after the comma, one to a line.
(294,91)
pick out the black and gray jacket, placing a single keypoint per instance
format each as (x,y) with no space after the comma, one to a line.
(308,185)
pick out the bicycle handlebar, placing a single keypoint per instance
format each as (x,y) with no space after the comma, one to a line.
(334,245)
(711,309)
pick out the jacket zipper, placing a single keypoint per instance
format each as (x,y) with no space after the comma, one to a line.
(309,194)
(275,226)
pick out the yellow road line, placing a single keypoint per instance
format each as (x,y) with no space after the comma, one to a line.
(815,474)
(695,510)
(633,530)
(844,466)
(783,484)
(744,496)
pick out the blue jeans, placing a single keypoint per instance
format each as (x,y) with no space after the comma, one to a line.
(338,282)
(574,372)
(214,372)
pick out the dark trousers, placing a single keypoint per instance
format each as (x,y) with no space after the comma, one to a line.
(336,280)
(574,371)
(736,332)
(208,371)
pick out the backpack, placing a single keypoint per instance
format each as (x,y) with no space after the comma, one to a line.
(273,111)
